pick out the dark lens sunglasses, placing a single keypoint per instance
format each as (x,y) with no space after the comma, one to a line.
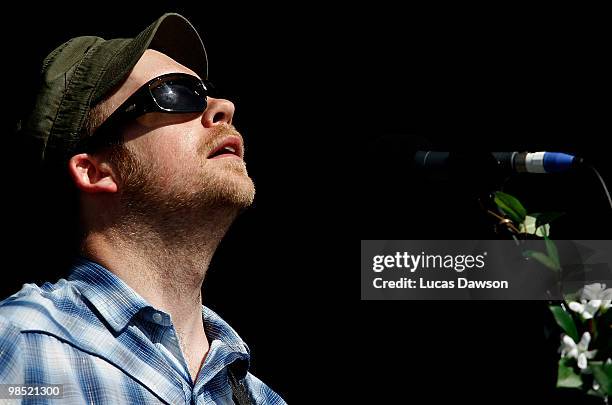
(173,93)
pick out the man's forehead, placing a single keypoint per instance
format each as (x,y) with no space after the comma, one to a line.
(154,63)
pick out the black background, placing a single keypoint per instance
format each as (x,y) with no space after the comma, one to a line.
(451,78)
(477,79)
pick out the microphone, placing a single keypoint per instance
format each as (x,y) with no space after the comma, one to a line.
(518,162)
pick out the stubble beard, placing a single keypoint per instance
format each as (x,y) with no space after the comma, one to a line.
(209,198)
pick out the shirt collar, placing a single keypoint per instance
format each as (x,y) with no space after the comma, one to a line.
(112,298)
(217,329)
(118,303)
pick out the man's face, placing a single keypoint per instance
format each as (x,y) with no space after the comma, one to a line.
(170,154)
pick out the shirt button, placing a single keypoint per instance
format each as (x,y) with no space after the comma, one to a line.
(157,317)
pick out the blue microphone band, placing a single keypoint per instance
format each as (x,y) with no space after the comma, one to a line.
(546,162)
(558,162)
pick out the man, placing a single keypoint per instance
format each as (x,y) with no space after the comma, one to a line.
(159,173)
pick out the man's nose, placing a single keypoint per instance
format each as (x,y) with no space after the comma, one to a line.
(218,111)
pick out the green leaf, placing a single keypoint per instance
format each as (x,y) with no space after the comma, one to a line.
(566,377)
(565,321)
(546,217)
(542,258)
(603,374)
(553,253)
(510,206)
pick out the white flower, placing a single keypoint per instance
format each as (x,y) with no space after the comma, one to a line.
(578,351)
(586,309)
(529,226)
(594,297)
(597,291)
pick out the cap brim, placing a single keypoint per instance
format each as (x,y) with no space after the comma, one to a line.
(177,38)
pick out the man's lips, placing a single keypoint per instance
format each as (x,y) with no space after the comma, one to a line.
(230,146)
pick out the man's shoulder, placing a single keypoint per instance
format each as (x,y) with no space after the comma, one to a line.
(34,306)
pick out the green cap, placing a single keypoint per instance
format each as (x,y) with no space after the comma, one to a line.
(80,72)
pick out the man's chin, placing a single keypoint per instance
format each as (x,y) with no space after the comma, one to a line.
(244,198)
(237,191)
(233,183)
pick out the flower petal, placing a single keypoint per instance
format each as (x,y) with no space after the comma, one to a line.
(591,308)
(576,307)
(592,291)
(606,294)
(530,224)
(573,354)
(584,341)
(543,230)
(582,361)
(568,342)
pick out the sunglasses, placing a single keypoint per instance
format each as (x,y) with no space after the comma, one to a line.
(172,93)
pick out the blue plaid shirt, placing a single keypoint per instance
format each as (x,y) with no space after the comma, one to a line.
(106,345)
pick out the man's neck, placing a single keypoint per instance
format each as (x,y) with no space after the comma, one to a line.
(167,269)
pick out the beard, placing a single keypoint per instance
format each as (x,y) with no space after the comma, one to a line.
(211,193)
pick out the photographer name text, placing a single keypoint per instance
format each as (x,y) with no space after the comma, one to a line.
(461,282)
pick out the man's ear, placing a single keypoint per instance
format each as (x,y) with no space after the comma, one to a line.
(92,175)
